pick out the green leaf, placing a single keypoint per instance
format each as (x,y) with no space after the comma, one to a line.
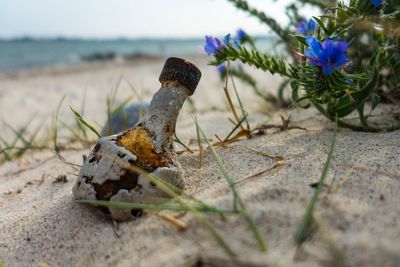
(300,38)
(321,24)
(256,59)
(295,90)
(344,106)
(375,99)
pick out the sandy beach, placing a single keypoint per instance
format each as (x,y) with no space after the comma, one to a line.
(40,224)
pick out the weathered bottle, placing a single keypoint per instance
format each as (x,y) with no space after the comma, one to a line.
(148,145)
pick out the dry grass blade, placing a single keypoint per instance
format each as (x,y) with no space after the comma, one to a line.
(182,144)
(171,219)
(283,127)
(277,165)
(277,158)
(228,97)
(241,133)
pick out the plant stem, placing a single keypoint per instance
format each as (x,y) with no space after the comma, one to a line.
(228,97)
(244,113)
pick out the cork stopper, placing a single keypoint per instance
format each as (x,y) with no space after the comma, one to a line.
(181,71)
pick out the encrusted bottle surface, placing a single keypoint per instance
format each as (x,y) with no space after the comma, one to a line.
(148,145)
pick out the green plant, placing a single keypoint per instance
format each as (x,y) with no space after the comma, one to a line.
(329,69)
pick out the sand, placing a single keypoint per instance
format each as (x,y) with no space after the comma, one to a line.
(358,212)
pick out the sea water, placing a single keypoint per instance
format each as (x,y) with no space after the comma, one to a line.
(32,53)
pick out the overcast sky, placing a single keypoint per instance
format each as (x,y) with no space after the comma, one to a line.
(129,18)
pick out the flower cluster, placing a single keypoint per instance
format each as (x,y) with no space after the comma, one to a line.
(322,75)
(329,55)
(214,45)
(306,27)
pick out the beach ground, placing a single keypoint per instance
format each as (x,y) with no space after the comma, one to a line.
(358,213)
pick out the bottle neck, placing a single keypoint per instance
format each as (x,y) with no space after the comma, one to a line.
(163,112)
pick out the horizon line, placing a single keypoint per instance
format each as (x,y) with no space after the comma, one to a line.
(119,38)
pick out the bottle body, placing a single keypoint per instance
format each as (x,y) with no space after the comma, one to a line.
(106,172)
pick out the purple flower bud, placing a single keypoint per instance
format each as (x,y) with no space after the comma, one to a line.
(221,68)
(213,45)
(240,35)
(306,27)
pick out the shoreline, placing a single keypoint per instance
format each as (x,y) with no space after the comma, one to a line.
(58,69)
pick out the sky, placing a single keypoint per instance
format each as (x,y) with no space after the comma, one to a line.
(130,18)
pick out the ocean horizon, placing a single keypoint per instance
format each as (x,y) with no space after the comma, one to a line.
(29,52)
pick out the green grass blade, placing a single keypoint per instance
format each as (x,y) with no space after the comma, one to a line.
(121,105)
(6,156)
(134,91)
(29,143)
(307,224)
(84,122)
(200,146)
(18,133)
(236,196)
(173,192)
(74,133)
(82,112)
(199,217)
(111,98)
(55,128)
(235,128)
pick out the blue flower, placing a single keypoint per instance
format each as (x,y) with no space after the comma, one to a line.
(241,35)
(229,41)
(306,27)
(227,38)
(213,45)
(221,68)
(376,3)
(329,55)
